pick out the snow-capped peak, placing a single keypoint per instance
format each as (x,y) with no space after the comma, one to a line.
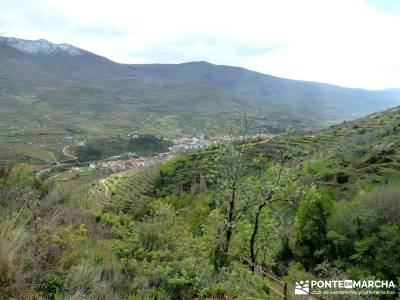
(39,46)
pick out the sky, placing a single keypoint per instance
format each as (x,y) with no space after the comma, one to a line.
(352,43)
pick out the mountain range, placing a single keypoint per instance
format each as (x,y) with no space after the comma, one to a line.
(56,90)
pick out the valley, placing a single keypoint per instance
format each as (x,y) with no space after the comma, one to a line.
(48,99)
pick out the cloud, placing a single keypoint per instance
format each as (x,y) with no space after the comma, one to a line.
(201,47)
(346,42)
(387,6)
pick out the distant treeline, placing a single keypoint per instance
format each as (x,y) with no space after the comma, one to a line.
(105,147)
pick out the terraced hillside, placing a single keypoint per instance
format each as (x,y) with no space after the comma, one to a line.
(343,160)
(355,156)
(129,191)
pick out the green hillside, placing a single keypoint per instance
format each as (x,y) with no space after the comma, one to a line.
(367,150)
(160,233)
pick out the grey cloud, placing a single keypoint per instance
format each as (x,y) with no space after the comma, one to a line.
(238,45)
(100,30)
(181,48)
(32,14)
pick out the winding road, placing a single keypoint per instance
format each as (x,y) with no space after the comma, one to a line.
(64,151)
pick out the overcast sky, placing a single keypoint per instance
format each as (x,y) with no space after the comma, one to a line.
(353,43)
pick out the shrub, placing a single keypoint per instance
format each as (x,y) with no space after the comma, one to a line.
(342,177)
(153,294)
(327,177)
(296,272)
(351,220)
(52,284)
(385,202)
(12,238)
(373,159)
(361,131)
(7,270)
(310,227)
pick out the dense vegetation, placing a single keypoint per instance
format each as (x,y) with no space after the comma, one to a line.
(101,148)
(203,224)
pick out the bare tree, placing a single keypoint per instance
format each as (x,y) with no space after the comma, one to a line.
(279,186)
(232,198)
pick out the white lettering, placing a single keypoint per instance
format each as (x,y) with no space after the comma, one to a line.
(313,283)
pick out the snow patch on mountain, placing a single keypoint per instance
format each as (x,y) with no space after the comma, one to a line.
(40,46)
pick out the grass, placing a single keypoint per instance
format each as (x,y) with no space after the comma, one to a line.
(13,237)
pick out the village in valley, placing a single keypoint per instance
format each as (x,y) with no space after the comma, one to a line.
(131,160)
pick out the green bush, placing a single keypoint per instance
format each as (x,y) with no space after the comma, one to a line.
(385,202)
(310,228)
(327,177)
(151,294)
(52,284)
(7,270)
(342,177)
(361,131)
(373,159)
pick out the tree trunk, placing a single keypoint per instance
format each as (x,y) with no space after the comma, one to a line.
(229,231)
(254,237)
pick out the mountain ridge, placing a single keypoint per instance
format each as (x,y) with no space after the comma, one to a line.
(40,46)
(43,43)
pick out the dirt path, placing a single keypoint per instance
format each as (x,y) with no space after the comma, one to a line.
(65,152)
(68,154)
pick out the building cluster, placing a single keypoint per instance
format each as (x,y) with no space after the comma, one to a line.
(189,143)
(130,163)
(181,145)
(185,144)
(196,143)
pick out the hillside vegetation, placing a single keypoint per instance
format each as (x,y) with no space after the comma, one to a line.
(324,204)
(101,148)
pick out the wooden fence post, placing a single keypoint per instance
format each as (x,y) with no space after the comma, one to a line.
(285,295)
